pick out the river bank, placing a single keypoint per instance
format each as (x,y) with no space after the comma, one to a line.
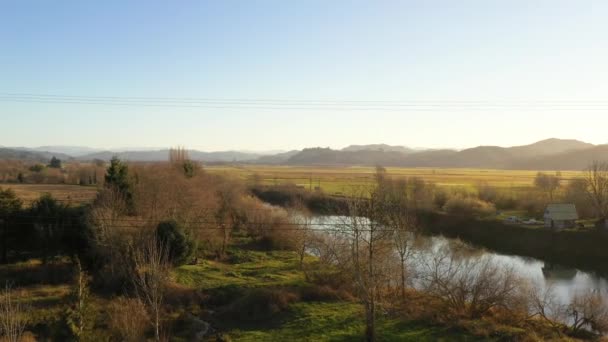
(581,249)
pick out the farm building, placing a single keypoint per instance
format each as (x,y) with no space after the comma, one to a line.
(560,216)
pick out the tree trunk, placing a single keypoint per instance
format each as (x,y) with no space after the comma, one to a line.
(370,329)
(157,324)
(402,278)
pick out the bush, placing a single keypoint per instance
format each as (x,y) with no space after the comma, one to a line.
(468,206)
(180,247)
(440,198)
(259,304)
(128,319)
(323,293)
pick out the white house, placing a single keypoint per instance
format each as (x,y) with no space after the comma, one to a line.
(560,216)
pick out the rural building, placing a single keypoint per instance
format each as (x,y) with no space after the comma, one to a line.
(560,216)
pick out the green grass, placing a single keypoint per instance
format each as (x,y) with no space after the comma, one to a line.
(247,270)
(341,321)
(250,269)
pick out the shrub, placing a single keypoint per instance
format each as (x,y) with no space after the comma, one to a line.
(468,206)
(260,304)
(180,247)
(128,319)
(440,198)
(323,293)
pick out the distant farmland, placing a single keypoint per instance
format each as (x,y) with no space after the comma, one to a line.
(70,194)
(341,179)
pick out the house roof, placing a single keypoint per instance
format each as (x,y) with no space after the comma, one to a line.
(561,212)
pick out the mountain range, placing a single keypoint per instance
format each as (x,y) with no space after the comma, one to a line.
(550,154)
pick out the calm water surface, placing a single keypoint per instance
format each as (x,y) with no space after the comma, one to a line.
(565,282)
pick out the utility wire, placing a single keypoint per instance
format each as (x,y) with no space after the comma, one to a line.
(343,105)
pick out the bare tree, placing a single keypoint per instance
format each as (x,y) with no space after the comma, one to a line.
(469,287)
(80,316)
(588,310)
(302,237)
(12,316)
(368,239)
(403,223)
(543,303)
(596,177)
(547,183)
(150,276)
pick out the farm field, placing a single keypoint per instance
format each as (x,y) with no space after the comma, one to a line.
(75,194)
(338,180)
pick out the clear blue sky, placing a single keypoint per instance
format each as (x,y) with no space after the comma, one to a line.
(493,52)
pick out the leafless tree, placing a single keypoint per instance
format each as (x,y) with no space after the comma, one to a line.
(469,287)
(401,219)
(368,239)
(588,310)
(12,316)
(150,276)
(302,237)
(547,183)
(543,303)
(128,319)
(107,216)
(596,177)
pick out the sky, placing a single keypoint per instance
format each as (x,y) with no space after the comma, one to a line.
(267,75)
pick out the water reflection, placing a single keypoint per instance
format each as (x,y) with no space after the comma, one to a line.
(564,282)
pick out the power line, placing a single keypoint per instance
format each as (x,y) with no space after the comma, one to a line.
(341,105)
(229,100)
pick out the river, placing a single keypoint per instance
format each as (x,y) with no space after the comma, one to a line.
(564,282)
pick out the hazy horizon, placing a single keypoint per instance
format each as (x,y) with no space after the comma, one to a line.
(219,76)
(269,151)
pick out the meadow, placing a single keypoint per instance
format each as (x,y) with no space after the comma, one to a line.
(65,193)
(341,180)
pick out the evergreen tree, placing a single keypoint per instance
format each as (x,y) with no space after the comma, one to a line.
(55,163)
(10,206)
(117,177)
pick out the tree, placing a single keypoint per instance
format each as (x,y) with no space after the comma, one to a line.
(36,168)
(55,163)
(402,220)
(117,176)
(547,183)
(303,235)
(10,205)
(150,277)
(368,239)
(596,178)
(588,310)
(49,217)
(12,316)
(80,315)
(180,247)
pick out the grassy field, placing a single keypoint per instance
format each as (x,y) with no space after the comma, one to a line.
(332,180)
(336,180)
(74,194)
(334,320)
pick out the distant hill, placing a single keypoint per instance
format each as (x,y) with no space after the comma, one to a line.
(276,159)
(31,156)
(326,156)
(569,160)
(549,147)
(73,151)
(378,147)
(163,155)
(549,154)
